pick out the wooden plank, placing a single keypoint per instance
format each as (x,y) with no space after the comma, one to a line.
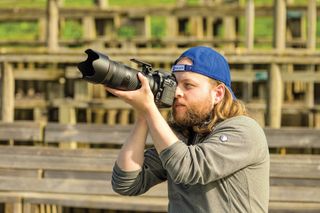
(293,207)
(88,133)
(20,130)
(295,170)
(56,163)
(136,203)
(12,172)
(295,194)
(167,55)
(39,75)
(30,103)
(8,197)
(289,181)
(79,175)
(208,10)
(54,151)
(293,137)
(312,77)
(70,186)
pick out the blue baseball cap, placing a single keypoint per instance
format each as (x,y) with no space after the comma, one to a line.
(207,62)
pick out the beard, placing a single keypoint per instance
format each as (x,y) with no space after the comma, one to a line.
(193,115)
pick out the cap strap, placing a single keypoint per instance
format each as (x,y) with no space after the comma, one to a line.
(181,67)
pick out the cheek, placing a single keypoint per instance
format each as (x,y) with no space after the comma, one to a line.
(197,98)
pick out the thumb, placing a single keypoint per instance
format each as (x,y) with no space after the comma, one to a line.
(143,79)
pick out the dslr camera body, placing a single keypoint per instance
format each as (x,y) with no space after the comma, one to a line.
(99,69)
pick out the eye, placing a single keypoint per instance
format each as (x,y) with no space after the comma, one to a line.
(188,85)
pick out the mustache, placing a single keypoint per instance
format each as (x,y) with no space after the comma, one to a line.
(177,102)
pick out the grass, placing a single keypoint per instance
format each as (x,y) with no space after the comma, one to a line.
(17,30)
(72,29)
(90,3)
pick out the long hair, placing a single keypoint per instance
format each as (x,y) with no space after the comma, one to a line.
(228,107)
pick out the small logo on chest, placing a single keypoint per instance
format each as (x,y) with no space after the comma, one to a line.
(223,138)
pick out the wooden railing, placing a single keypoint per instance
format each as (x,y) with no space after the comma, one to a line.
(35,172)
(273,85)
(200,24)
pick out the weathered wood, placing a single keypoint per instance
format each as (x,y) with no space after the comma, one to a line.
(275,98)
(250,24)
(143,203)
(13,202)
(24,131)
(84,174)
(168,55)
(207,12)
(293,137)
(312,25)
(39,75)
(95,133)
(53,25)
(95,191)
(88,133)
(290,207)
(280,25)
(7,92)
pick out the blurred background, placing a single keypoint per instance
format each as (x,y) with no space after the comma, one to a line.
(272,47)
(42,41)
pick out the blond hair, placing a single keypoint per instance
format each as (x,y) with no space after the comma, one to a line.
(228,107)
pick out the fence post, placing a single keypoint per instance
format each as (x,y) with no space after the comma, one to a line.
(53,25)
(250,24)
(312,25)
(280,12)
(102,4)
(275,95)
(229,31)
(7,90)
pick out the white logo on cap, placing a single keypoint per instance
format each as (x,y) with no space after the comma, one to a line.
(178,67)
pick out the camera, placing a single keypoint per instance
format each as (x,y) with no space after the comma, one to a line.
(99,69)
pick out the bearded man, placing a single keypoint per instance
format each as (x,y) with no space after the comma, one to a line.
(212,155)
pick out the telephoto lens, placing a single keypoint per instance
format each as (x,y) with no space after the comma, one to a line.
(99,69)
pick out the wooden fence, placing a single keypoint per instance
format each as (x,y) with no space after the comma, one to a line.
(48,87)
(215,25)
(280,86)
(38,176)
(40,83)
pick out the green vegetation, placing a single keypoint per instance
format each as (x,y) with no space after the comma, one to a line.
(71,29)
(127,32)
(18,30)
(158,27)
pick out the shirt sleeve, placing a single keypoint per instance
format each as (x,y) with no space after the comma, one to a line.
(140,181)
(232,146)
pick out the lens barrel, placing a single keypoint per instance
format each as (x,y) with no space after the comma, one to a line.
(99,69)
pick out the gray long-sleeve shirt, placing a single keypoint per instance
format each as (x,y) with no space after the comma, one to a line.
(225,171)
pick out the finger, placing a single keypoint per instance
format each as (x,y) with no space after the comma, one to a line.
(115,92)
(144,80)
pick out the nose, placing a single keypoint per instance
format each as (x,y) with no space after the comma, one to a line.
(179,92)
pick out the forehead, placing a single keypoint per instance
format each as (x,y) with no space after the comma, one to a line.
(185,60)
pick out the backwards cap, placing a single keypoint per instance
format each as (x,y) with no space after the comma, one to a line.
(207,62)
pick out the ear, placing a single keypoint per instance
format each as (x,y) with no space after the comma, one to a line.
(218,92)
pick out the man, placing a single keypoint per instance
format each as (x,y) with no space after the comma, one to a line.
(213,156)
